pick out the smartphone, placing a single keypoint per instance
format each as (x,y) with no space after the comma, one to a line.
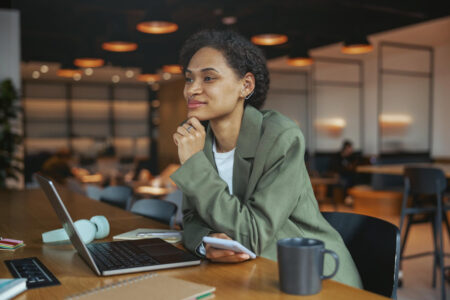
(228,245)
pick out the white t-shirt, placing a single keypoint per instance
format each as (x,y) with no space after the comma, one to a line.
(224,163)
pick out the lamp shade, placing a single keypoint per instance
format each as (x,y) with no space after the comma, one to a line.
(88,62)
(68,70)
(357,46)
(157,27)
(269,39)
(149,74)
(119,46)
(157,20)
(173,69)
(118,39)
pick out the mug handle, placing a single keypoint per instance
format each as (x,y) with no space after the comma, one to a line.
(336,259)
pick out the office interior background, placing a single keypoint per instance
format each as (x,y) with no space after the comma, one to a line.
(376,73)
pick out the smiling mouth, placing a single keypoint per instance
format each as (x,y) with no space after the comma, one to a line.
(195,104)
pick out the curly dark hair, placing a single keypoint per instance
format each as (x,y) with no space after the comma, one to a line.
(241,55)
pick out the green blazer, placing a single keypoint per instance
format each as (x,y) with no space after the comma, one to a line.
(272,194)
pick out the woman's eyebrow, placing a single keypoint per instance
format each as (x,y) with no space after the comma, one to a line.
(209,69)
(202,70)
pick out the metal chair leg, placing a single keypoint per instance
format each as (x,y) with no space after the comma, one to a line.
(435,252)
(441,246)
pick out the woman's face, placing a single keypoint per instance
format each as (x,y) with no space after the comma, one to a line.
(212,88)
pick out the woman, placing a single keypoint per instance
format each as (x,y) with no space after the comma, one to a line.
(243,177)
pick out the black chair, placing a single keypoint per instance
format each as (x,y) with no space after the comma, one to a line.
(160,210)
(425,187)
(374,245)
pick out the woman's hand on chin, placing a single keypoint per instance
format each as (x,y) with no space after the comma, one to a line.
(189,138)
(224,256)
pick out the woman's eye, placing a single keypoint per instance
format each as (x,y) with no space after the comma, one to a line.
(208,78)
(188,79)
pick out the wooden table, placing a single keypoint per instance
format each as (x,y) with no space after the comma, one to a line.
(26,214)
(399,168)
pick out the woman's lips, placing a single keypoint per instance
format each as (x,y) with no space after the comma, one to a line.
(195,104)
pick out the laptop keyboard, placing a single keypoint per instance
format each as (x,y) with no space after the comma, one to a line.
(119,255)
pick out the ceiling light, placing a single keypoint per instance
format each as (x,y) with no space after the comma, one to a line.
(119,46)
(89,71)
(174,69)
(35,74)
(129,73)
(87,62)
(115,78)
(149,77)
(357,46)
(157,20)
(269,39)
(157,27)
(44,69)
(68,73)
(300,61)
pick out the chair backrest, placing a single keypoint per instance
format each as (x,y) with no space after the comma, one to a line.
(425,181)
(117,195)
(157,209)
(94,192)
(374,245)
(176,198)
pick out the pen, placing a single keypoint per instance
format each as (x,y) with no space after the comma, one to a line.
(168,234)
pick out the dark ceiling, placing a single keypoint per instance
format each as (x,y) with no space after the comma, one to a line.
(55,30)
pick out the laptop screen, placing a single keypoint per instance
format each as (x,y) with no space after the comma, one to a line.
(67,223)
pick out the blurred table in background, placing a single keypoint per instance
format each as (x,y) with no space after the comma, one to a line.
(398,169)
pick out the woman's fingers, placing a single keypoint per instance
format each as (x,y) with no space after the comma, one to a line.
(195,123)
(238,257)
(182,130)
(212,252)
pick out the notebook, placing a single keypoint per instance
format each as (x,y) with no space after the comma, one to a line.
(112,258)
(150,286)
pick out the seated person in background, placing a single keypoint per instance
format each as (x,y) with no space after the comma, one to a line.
(344,164)
(243,177)
(58,168)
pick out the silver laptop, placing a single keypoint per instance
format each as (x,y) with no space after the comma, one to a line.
(111,258)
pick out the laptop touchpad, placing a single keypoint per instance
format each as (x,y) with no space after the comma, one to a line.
(163,252)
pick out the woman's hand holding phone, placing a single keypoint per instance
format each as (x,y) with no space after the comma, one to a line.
(189,138)
(224,255)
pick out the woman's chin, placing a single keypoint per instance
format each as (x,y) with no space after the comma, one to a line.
(198,116)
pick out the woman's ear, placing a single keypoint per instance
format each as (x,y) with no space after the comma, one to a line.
(248,85)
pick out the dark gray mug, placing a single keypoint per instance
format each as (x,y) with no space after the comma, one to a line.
(300,265)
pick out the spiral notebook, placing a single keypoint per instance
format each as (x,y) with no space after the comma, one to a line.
(150,286)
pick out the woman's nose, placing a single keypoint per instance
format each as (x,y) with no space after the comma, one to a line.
(194,88)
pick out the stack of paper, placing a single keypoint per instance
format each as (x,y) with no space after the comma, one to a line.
(170,236)
(10,244)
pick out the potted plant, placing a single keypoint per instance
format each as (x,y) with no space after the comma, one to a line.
(10,139)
